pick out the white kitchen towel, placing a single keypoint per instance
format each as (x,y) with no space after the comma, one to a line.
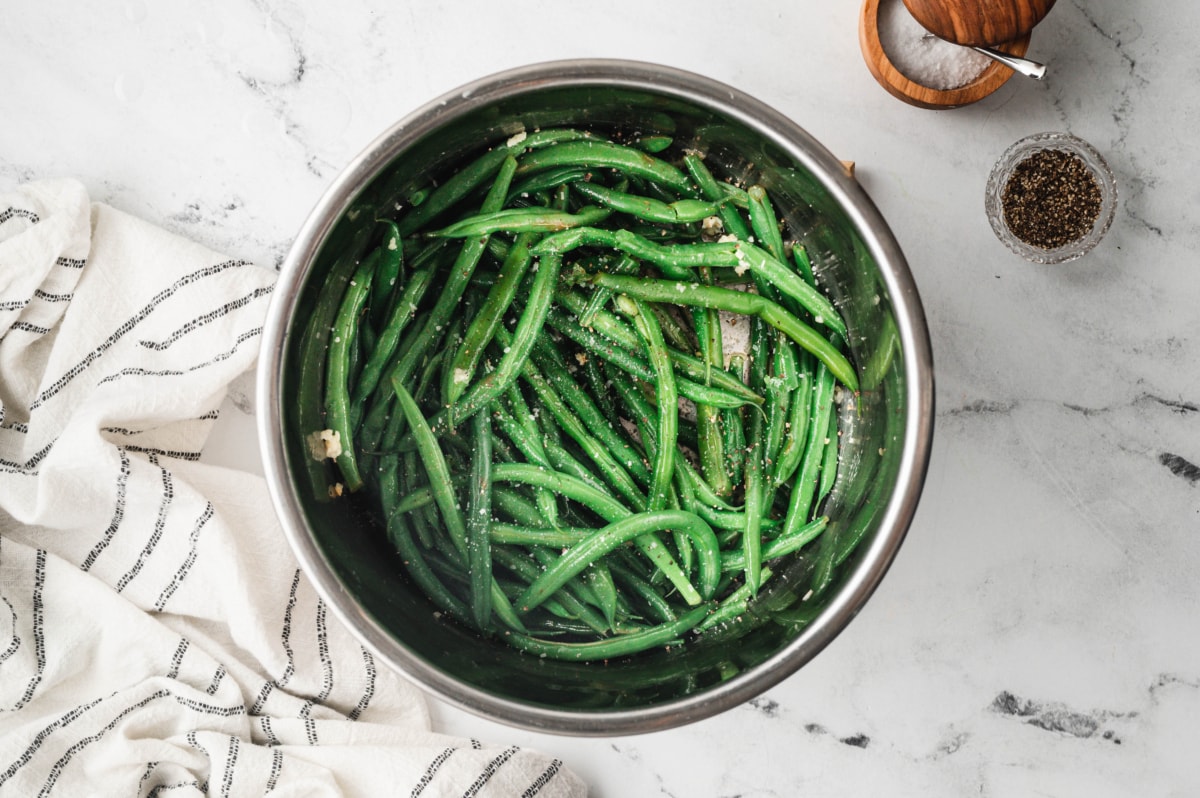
(156,635)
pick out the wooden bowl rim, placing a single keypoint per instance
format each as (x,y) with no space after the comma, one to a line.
(902,87)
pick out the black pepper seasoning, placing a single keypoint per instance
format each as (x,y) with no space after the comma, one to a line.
(1051,199)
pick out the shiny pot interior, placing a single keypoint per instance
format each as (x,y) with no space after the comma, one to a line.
(885,444)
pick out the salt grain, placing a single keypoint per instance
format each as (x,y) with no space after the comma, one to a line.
(922,57)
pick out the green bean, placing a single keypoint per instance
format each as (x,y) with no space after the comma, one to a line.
(419,570)
(786,543)
(523,535)
(648,208)
(713,192)
(579,589)
(764,222)
(550,136)
(337,393)
(452,292)
(716,395)
(482,392)
(601,392)
(587,411)
(781,387)
(608,508)
(606,155)
(402,313)
(479,514)
(658,606)
(735,604)
(534,451)
(599,578)
(829,463)
(733,431)
(436,468)
(792,450)
(488,318)
(805,484)
(615,473)
(456,187)
(579,556)
(546,180)
(314,344)
(600,297)
(665,395)
(522,220)
(738,255)
(572,607)
(694,294)
(640,409)
(391,266)
(623,645)
(616,330)
(651,144)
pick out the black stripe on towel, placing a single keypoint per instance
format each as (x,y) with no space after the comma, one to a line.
(20,213)
(33,329)
(139,371)
(541,781)
(369,691)
(181,574)
(177,659)
(276,766)
(230,762)
(194,742)
(130,324)
(431,771)
(490,771)
(177,454)
(79,745)
(41,737)
(39,632)
(118,513)
(46,296)
(179,785)
(265,722)
(286,639)
(215,684)
(14,645)
(28,468)
(160,524)
(207,318)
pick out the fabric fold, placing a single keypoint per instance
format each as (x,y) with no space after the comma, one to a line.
(156,633)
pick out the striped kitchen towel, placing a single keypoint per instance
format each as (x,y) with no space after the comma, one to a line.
(156,635)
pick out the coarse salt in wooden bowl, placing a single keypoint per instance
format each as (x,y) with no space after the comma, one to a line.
(883,66)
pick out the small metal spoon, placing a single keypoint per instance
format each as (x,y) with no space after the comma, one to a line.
(1024,66)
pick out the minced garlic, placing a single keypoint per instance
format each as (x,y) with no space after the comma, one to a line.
(325,444)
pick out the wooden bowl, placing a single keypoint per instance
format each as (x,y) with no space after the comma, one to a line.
(898,85)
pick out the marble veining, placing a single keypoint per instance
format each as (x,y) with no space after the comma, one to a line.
(1037,634)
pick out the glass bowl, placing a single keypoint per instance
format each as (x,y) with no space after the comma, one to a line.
(1002,172)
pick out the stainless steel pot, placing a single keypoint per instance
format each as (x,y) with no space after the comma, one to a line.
(885,450)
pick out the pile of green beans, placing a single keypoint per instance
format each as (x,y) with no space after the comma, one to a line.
(530,380)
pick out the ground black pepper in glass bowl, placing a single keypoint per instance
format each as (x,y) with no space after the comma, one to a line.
(1050,198)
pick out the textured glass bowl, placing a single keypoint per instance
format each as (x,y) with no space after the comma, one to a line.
(1002,171)
(885,449)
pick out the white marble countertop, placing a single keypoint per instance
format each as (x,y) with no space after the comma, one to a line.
(1038,633)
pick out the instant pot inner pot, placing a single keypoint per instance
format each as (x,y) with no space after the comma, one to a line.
(356,548)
